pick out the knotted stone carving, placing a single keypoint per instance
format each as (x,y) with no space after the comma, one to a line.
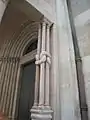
(41,109)
(44,57)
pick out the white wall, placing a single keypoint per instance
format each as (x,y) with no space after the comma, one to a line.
(81,15)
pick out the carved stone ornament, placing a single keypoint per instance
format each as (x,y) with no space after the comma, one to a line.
(41,109)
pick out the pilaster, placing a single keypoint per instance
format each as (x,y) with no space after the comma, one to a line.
(68,87)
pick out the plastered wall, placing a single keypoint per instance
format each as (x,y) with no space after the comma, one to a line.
(81,16)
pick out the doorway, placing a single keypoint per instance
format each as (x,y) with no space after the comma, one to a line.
(27,91)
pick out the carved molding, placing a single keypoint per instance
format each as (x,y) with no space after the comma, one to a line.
(46,21)
(29,31)
(13,54)
(10,59)
(28,57)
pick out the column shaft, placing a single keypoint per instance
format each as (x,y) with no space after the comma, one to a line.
(37,68)
(47,69)
(42,67)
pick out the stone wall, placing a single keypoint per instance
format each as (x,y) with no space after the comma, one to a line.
(81,16)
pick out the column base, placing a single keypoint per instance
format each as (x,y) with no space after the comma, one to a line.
(41,113)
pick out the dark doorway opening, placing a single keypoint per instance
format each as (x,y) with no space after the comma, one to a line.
(27,91)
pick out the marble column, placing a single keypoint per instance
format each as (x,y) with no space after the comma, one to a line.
(3,5)
(42,112)
(48,63)
(37,78)
(42,67)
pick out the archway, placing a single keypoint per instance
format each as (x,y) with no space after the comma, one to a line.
(11,62)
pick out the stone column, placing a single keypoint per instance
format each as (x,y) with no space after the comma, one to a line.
(3,5)
(42,112)
(42,66)
(47,67)
(37,79)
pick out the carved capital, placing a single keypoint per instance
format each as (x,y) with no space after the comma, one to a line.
(46,21)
